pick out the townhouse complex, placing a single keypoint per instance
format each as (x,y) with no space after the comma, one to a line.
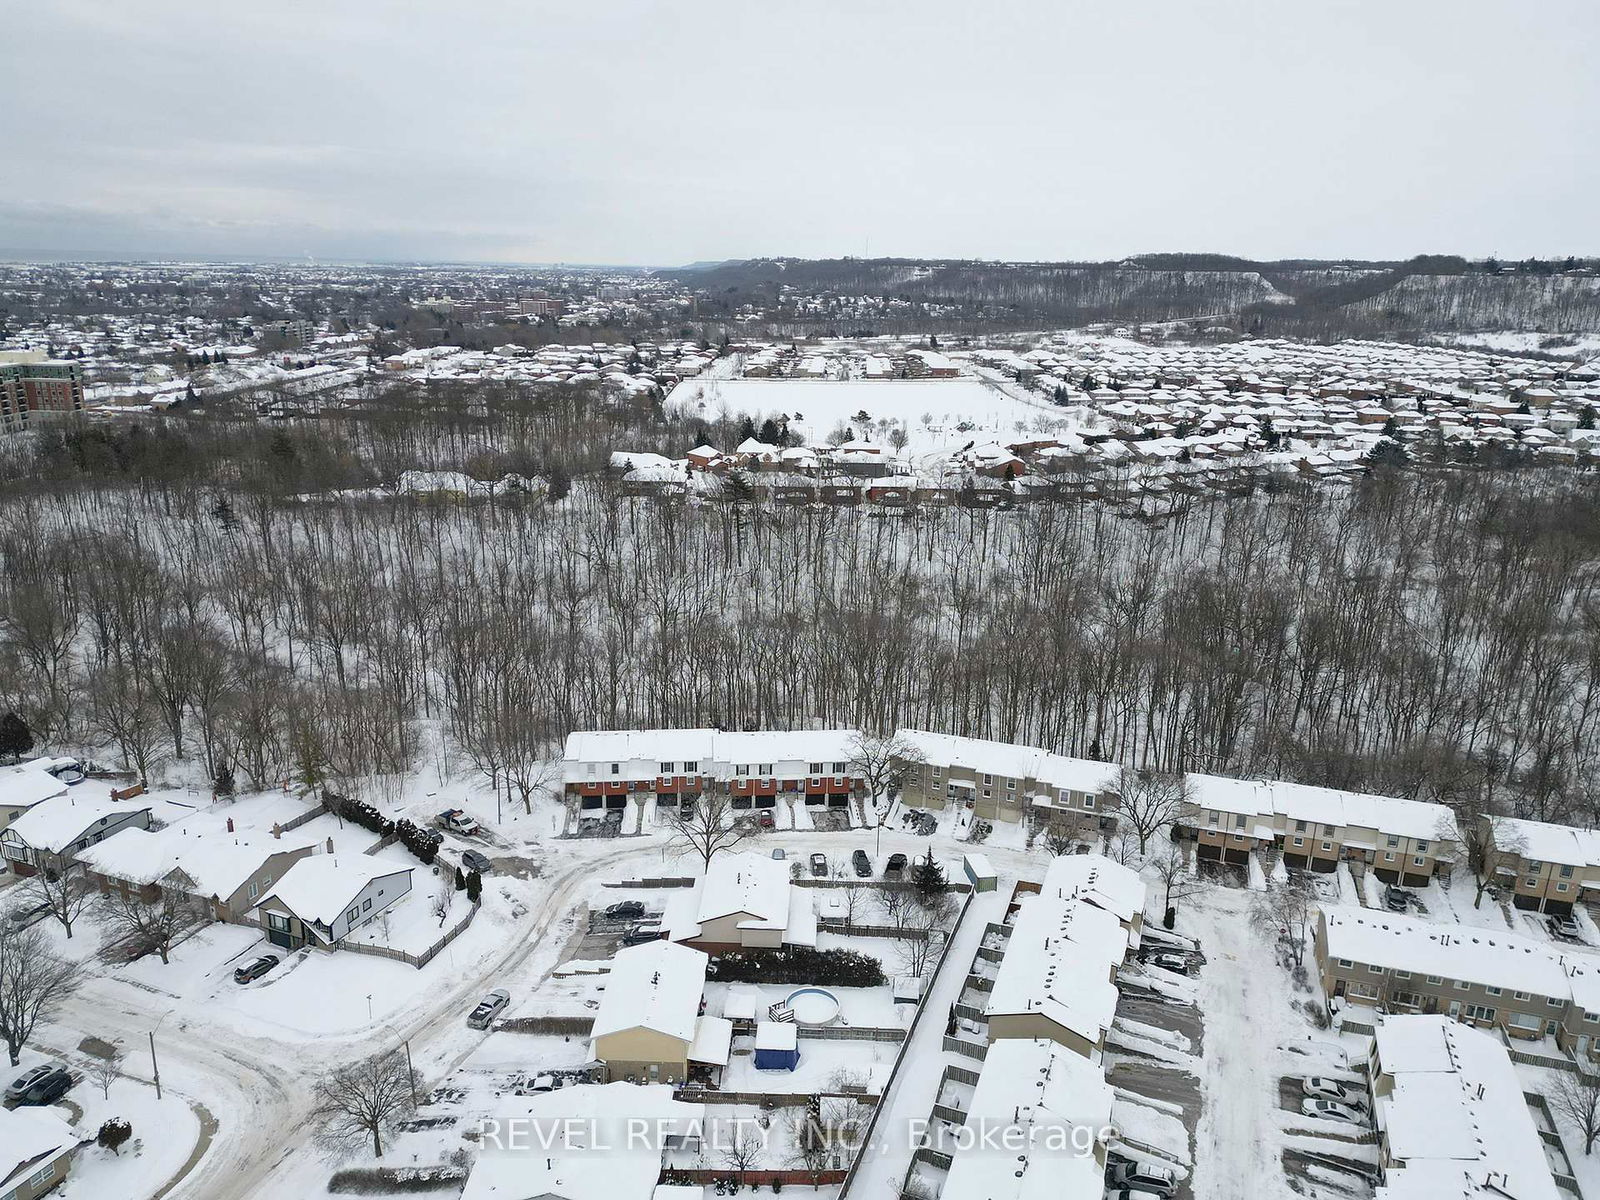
(605,769)
(999,781)
(1451,1117)
(1542,866)
(1492,980)
(1402,841)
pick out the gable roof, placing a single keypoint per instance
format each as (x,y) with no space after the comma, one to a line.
(26,785)
(753,884)
(656,986)
(29,1136)
(321,887)
(56,823)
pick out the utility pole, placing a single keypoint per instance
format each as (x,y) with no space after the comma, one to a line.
(411,1072)
(154,1067)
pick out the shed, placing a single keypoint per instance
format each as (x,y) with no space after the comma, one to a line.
(979,873)
(777,1046)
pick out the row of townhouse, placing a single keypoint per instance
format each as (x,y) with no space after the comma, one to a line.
(1544,866)
(605,769)
(999,781)
(1316,828)
(1492,980)
(1451,1116)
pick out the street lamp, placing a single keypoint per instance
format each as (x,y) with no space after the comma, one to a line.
(155,1068)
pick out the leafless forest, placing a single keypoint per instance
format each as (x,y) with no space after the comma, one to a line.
(1429,634)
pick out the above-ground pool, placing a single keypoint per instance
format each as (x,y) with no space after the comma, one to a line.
(814,1006)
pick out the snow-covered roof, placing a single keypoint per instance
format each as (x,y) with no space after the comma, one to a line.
(637,745)
(216,862)
(1329,806)
(755,885)
(777,1035)
(1541,841)
(655,986)
(56,823)
(713,1041)
(1095,878)
(1009,760)
(1455,1121)
(574,1143)
(1505,960)
(1058,963)
(1042,1095)
(26,785)
(28,1138)
(319,888)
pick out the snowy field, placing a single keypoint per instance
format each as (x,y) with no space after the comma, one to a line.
(936,414)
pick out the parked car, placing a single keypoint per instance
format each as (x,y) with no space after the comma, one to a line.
(1323,1088)
(895,868)
(48,1088)
(625,910)
(25,914)
(862,862)
(28,1078)
(544,1083)
(819,865)
(1132,1194)
(476,860)
(779,853)
(457,821)
(488,1009)
(765,820)
(639,934)
(1397,899)
(1332,1110)
(1175,963)
(1564,927)
(1122,1173)
(255,968)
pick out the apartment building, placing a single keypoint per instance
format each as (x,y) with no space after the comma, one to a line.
(1403,841)
(1545,867)
(999,781)
(1451,1117)
(1487,979)
(32,385)
(603,769)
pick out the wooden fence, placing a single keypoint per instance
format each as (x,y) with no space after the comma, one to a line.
(856,929)
(754,1177)
(671,882)
(849,1033)
(550,1026)
(416,960)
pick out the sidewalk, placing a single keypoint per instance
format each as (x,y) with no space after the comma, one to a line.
(885,1160)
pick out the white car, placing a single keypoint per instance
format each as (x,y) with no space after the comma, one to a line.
(1564,927)
(1331,1110)
(1323,1088)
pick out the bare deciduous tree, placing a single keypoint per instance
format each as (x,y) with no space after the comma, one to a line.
(1576,1096)
(34,981)
(1491,844)
(709,826)
(883,764)
(61,887)
(106,1071)
(1285,912)
(156,923)
(442,900)
(1178,883)
(1151,802)
(361,1101)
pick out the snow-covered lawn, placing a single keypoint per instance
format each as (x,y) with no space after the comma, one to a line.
(164,1132)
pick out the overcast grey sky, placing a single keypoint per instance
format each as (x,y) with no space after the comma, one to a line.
(660,133)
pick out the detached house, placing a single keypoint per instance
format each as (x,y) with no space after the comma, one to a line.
(744,900)
(24,786)
(36,1148)
(650,1013)
(52,833)
(322,899)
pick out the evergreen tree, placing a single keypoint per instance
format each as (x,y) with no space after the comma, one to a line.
(16,739)
(927,876)
(461,880)
(770,433)
(1586,418)
(747,429)
(474,886)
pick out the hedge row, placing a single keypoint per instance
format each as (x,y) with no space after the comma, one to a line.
(797,964)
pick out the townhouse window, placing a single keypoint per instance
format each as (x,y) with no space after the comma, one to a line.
(1371,970)
(839,768)
(1592,1018)
(1215,817)
(1299,841)
(1392,842)
(987,792)
(764,769)
(1566,871)
(1434,980)
(1088,802)
(1066,797)
(1553,1002)
(1533,881)
(1344,962)
(742,769)
(253,890)
(988,778)
(937,771)
(1327,845)
(1238,821)
(366,905)
(1524,996)
(1533,864)
(1461,985)
(1402,974)
(354,913)
(1405,999)
(41,1177)
(616,769)
(691,767)
(1561,887)
(1011,785)
(589,770)
(816,768)
(1418,861)
(1479,1012)
(666,768)
(1388,856)
(1493,991)
(1299,826)
(1422,847)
